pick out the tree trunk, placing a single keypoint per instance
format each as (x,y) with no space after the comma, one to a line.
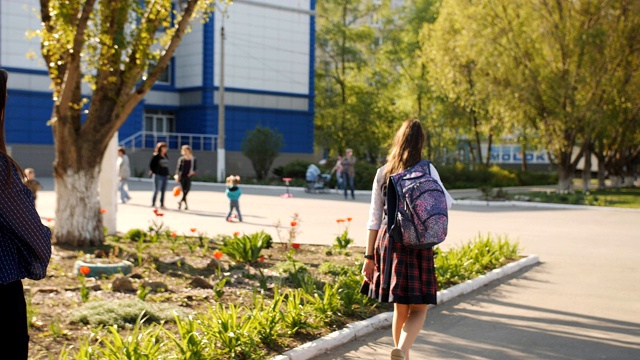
(565,179)
(586,170)
(78,208)
(601,171)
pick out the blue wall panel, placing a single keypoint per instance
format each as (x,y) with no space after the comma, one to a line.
(133,124)
(26,118)
(296,127)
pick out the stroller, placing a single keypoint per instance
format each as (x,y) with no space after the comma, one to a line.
(316,181)
(318,185)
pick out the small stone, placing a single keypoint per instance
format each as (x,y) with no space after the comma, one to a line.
(156,286)
(122,284)
(100,254)
(46,290)
(175,260)
(136,276)
(214,264)
(200,282)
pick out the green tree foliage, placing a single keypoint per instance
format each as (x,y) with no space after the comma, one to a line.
(559,71)
(354,108)
(119,49)
(262,146)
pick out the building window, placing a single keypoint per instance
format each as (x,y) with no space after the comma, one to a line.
(165,77)
(159,122)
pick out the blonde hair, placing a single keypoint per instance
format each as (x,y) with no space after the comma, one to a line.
(29,171)
(233,180)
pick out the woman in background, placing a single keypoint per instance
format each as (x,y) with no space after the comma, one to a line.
(184,171)
(159,168)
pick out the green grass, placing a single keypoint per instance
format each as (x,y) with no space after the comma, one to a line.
(623,198)
(120,312)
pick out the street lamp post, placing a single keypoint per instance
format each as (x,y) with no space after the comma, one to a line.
(221,120)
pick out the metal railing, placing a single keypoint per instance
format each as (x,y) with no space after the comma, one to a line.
(148,140)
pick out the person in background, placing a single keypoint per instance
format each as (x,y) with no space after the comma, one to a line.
(124,173)
(184,171)
(312,176)
(337,168)
(411,281)
(31,182)
(25,246)
(348,173)
(159,168)
(233,193)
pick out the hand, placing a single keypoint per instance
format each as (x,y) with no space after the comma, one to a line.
(367,270)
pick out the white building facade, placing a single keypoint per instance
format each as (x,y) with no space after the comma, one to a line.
(268,82)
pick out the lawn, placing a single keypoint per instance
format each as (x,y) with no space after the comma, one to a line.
(622,198)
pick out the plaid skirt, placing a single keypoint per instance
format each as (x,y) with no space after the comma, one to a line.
(411,278)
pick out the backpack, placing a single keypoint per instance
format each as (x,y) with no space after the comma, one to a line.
(416,208)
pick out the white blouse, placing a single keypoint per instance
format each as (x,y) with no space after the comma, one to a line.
(376,209)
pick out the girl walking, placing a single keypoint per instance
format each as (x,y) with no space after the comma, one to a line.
(184,171)
(411,282)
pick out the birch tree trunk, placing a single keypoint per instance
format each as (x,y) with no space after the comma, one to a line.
(78,208)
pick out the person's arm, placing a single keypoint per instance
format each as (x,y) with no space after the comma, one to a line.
(20,221)
(376,212)
(194,166)
(153,165)
(178,169)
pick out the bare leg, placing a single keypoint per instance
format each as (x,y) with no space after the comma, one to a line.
(414,316)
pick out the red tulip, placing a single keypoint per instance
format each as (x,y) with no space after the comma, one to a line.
(295,245)
(193,230)
(261,258)
(217,254)
(236,234)
(84,270)
(173,234)
(349,219)
(294,223)
(103,211)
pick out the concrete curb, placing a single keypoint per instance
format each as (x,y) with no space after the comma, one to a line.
(531,204)
(364,327)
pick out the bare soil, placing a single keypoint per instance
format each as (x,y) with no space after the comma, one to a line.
(175,263)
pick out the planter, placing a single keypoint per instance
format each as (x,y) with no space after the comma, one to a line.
(98,269)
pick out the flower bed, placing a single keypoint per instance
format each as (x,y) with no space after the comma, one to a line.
(238,296)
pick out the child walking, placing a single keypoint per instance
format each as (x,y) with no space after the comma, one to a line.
(233,193)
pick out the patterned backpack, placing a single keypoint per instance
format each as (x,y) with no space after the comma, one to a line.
(416,207)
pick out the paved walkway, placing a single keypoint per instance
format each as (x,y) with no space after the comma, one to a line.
(580,303)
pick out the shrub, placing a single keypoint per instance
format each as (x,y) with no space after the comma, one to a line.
(296,169)
(135,235)
(502,178)
(262,146)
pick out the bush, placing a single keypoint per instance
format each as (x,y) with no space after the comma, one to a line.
(502,178)
(262,146)
(296,169)
(459,176)
(135,235)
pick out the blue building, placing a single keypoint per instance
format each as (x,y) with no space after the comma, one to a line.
(268,81)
